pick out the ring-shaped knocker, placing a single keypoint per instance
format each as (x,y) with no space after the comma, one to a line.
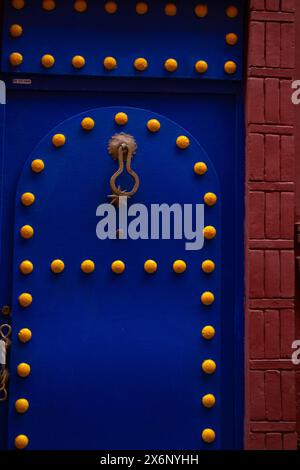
(122,147)
(5,333)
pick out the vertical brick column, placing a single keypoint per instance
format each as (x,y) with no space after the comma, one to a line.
(270,403)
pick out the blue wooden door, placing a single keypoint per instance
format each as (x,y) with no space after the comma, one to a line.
(116,360)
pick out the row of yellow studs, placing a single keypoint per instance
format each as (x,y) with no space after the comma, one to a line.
(140,64)
(141,8)
(118,267)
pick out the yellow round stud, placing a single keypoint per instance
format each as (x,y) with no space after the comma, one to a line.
(232,11)
(37,165)
(231,39)
(111,7)
(57,266)
(18,4)
(209,232)
(200,168)
(110,63)
(183,142)
(47,61)
(207,298)
(25,335)
(150,266)
(141,64)
(230,67)
(26,267)
(121,119)
(179,266)
(80,6)
(118,267)
(15,59)
(209,400)
(209,366)
(171,9)
(171,65)
(78,62)
(25,300)
(210,199)
(208,435)
(26,232)
(141,8)
(201,66)
(21,442)
(58,140)
(201,10)
(208,266)
(49,5)
(88,124)
(23,369)
(16,30)
(208,332)
(27,199)
(21,405)
(88,266)
(153,125)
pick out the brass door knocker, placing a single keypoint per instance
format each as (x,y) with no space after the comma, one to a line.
(122,147)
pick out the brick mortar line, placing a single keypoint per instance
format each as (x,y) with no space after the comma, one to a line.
(263,241)
(281,21)
(253,311)
(263,72)
(271,240)
(271,187)
(282,299)
(276,17)
(267,67)
(264,131)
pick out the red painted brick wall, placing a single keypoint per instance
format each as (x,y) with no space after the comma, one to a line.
(270,415)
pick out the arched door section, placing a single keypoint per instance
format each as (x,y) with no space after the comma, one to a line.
(116,361)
